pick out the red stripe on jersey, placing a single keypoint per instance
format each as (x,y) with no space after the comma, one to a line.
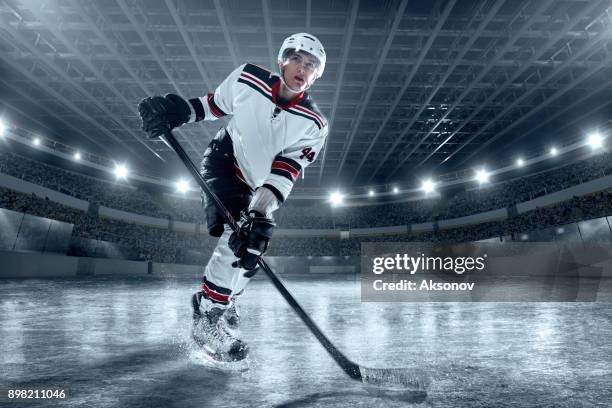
(214,295)
(256,81)
(284,166)
(213,106)
(239,173)
(311,113)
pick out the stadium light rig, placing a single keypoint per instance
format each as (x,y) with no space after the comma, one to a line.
(520,162)
(371,193)
(554,151)
(428,186)
(121,171)
(395,190)
(77,156)
(2,128)
(36,141)
(482,176)
(595,140)
(336,198)
(182,186)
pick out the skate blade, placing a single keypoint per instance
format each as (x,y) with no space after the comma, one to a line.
(207,358)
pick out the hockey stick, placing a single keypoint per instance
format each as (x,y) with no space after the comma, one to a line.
(395,377)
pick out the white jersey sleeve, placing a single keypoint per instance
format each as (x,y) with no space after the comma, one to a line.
(218,104)
(287,165)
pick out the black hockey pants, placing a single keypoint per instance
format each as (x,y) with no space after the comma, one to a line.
(219,170)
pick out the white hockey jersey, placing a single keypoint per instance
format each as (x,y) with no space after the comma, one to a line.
(272,142)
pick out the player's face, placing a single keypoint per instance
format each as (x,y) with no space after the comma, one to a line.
(300,70)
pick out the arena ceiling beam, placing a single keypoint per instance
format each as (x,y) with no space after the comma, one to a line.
(51,26)
(40,82)
(441,20)
(115,55)
(79,7)
(381,61)
(570,23)
(226,34)
(78,130)
(457,60)
(348,39)
(143,36)
(560,111)
(405,34)
(478,79)
(194,57)
(602,65)
(265,6)
(308,15)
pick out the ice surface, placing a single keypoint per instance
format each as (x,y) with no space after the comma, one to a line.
(118,342)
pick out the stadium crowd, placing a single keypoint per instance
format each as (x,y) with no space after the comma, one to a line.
(92,234)
(98,236)
(114,194)
(312,214)
(505,194)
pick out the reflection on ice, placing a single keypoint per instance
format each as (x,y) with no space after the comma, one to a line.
(125,342)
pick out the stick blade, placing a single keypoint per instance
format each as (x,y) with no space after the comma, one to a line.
(399,379)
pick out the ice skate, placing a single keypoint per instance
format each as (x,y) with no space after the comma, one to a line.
(209,331)
(232,317)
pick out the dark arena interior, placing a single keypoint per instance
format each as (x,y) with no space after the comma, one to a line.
(444,209)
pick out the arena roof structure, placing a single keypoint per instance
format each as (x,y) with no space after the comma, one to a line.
(410,87)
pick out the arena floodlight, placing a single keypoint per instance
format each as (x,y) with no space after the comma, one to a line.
(428,186)
(2,128)
(482,176)
(121,171)
(182,186)
(520,162)
(595,140)
(554,151)
(336,198)
(395,190)
(36,141)
(77,156)
(371,193)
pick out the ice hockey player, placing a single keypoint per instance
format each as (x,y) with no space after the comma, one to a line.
(274,132)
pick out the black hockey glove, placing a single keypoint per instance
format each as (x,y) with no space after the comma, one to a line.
(252,239)
(160,113)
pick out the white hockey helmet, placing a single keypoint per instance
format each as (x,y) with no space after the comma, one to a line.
(307,43)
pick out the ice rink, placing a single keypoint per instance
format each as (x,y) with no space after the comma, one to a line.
(119,342)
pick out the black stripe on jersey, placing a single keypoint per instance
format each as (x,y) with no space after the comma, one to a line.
(290,162)
(255,87)
(198,108)
(275,191)
(260,73)
(284,173)
(214,108)
(307,103)
(293,111)
(218,289)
